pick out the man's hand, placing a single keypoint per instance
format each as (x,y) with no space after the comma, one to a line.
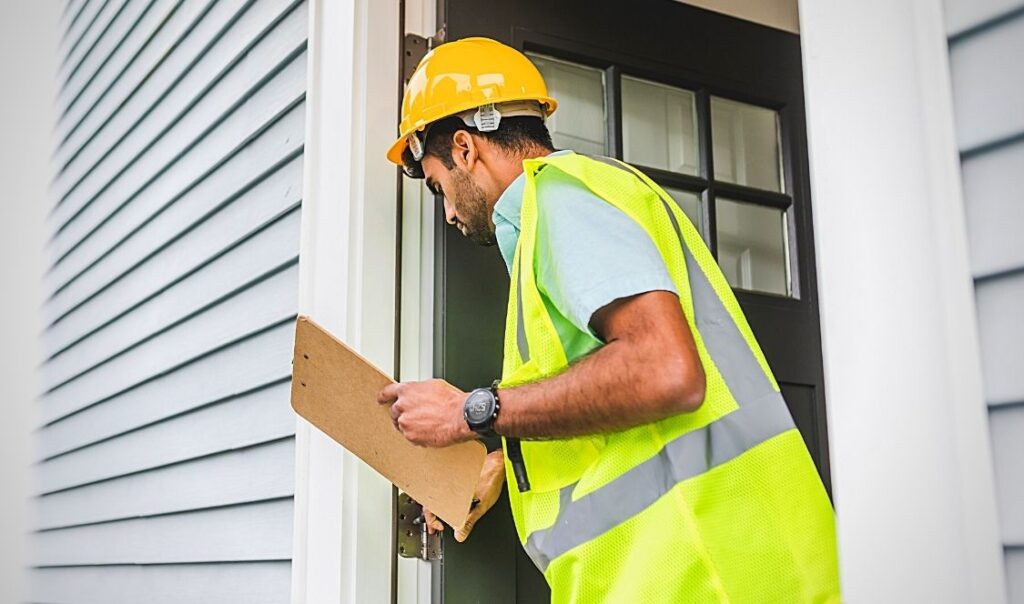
(488,489)
(429,413)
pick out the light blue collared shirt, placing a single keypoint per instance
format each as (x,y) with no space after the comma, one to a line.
(591,253)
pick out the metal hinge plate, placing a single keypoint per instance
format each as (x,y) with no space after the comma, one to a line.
(413,49)
(413,540)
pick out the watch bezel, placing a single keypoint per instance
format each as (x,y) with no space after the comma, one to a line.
(486,422)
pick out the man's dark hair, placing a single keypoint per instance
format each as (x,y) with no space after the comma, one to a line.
(514,135)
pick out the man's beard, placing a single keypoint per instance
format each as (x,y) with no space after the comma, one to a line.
(474,215)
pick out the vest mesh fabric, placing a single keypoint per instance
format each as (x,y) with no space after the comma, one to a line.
(753,524)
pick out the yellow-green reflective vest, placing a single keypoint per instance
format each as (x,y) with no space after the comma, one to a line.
(720,505)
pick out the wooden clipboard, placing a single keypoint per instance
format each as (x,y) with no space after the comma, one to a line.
(335,389)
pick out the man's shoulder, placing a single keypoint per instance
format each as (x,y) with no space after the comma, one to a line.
(559,187)
(571,211)
(553,178)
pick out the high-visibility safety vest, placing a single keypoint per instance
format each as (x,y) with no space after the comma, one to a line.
(720,505)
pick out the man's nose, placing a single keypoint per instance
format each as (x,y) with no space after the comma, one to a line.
(449,212)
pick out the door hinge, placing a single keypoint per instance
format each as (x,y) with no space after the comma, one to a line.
(413,49)
(413,539)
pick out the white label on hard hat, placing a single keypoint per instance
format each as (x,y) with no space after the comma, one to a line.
(487,118)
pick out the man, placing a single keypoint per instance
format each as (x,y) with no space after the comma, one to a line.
(652,457)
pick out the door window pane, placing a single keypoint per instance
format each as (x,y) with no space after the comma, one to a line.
(753,248)
(579,121)
(659,126)
(746,144)
(690,204)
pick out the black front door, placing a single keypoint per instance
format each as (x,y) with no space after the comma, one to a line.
(709,106)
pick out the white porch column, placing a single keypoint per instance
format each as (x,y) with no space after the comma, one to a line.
(909,439)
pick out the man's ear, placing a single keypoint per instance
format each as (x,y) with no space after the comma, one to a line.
(465,151)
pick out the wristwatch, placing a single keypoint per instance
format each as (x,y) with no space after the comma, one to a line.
(481,410)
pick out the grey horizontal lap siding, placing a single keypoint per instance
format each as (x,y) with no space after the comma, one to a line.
(165,584)
(986,42)
(165,446)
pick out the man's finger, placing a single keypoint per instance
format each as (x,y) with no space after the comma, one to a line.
(433,523)
(467,527)
(395,414)
(389,393)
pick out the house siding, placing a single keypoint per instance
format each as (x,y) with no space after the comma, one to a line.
(986,42)
(165,455)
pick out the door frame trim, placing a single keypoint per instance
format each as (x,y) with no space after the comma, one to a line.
(415,579)
(343,518)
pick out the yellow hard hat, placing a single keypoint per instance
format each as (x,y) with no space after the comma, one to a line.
(467,74)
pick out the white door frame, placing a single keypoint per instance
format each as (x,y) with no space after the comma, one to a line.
(417,300)
(909,443)
(342,544)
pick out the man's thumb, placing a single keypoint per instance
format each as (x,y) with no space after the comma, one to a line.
(462,533)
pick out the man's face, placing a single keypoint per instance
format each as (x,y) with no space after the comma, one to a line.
(466,204)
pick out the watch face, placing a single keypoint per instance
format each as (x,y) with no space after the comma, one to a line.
(479,406)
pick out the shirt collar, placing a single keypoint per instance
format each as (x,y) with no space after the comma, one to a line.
(510,203)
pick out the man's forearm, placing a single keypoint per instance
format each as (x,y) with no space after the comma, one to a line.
(649,369)
(612,389)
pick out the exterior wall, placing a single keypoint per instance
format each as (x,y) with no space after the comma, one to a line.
(986,41)
(165,449)
(28,31)
(908,434)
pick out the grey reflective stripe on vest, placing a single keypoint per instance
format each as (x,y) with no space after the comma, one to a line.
(521,341)
(762,414)
(690,455)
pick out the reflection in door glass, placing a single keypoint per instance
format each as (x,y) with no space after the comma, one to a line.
(579,122)
(690,204)
(753,248)
(746,144)
(659,126)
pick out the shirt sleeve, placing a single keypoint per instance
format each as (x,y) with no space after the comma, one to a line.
(591,252)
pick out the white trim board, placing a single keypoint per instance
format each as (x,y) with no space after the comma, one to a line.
(911,463)
(342,532)
(415,577)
